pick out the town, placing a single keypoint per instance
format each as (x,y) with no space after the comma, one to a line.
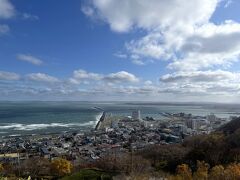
(112,135)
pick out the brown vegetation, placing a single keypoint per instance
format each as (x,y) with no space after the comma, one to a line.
(203,172)
(220,147)
(61,167)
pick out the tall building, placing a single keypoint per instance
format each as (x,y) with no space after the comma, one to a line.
(211,118)
(136,115)
(192,123)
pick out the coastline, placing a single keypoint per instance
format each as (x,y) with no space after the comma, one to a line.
(99,118)
(27,118)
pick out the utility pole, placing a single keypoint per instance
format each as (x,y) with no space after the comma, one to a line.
(131,158)
(18,162)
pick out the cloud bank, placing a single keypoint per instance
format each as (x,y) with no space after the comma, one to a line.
(199,53)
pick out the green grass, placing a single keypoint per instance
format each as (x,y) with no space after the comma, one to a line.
(89,174)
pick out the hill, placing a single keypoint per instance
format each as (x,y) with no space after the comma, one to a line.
(230,127)
(219,147)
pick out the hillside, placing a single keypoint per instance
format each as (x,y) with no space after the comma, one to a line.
(230,127)
(220,147)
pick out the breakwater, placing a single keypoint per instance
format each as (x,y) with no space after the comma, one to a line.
(101,120)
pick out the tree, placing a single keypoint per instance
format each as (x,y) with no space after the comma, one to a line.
(35,167)
(165,157)
(128,163)
(232,171)
(202,171)
(184,172)
(61,167)
(209,148)
(1,168)
(217,173)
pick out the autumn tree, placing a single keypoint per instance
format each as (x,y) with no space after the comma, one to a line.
(1,168)
(128,163)
(202,171)
(217,173)
(61,167)
(184,172)
(232,172)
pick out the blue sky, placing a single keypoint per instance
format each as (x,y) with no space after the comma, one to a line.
(65,39)
(120,50)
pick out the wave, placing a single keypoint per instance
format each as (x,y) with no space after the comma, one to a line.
(31,127)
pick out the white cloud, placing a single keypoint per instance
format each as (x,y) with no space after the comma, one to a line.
(30,59)
(172,87)
(81,76)
(121,77)
(74,81)
(83,84)
(120,55)
(87,11)
(148,83)
(124,15)
(28,16)
(208,46)
(204,46)
(201,76)
(6,9)
(177,31)
(148,46)
(9,76)
(40,77)
(199,83)
(138,62)
(228,3)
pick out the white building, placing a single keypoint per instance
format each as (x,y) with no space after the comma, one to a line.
(136,115)
(192,123)
(211,118)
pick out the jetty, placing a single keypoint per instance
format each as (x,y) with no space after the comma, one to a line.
(101,120)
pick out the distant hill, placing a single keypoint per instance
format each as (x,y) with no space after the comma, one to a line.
(230,127)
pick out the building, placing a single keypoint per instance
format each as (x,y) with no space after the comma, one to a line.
(192,123)
(211,118)
(45,153)
(136,115)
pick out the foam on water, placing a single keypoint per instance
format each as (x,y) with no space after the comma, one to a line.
(98,117)
(30,127)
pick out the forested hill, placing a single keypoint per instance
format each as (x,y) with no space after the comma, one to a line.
(219,147)
(230,127)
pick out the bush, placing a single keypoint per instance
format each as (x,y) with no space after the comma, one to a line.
(89,174)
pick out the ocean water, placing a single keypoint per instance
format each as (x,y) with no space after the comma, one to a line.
(20,118)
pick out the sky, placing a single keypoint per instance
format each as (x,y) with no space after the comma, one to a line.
(128,50)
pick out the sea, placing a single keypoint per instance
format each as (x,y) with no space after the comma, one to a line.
(36,117)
